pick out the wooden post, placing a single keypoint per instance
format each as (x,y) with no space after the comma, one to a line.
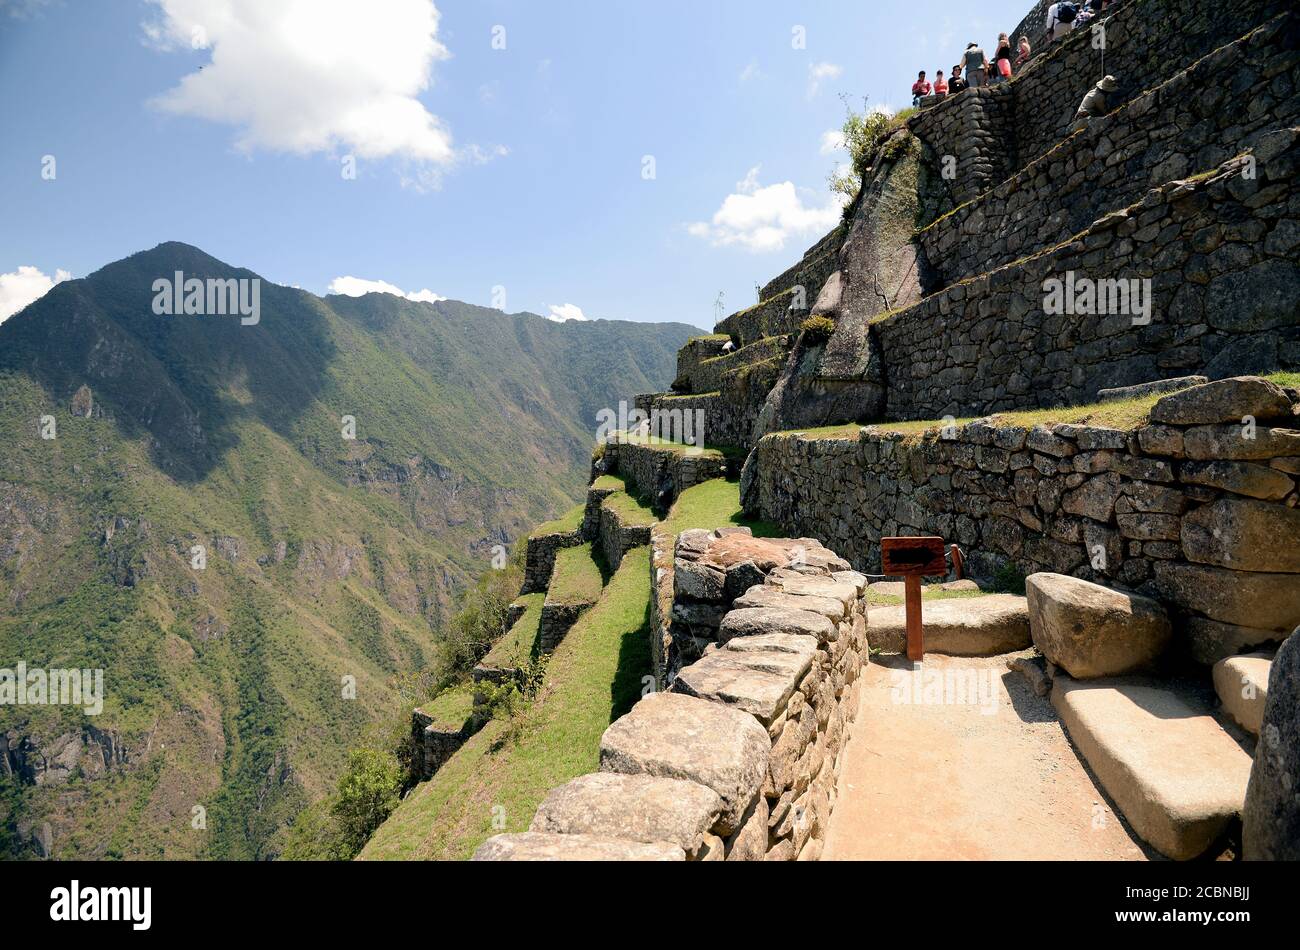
(912,559)
(915,633)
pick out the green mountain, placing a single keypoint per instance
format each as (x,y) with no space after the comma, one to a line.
(233,686)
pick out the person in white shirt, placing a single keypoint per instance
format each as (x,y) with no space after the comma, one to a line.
(1060,19)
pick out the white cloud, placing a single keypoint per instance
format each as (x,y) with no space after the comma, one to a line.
(832,142)
(760,218)
(359,287)
(819,72)
(308,76)
(26,284)
(750,72)
(564,312)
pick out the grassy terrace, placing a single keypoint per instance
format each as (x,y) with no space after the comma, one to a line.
(612,482)
(569,521)
(713,504)
(507,769)
(1114,414)
(516,647)
(576,578)
(653,441)
(451,707)
(630,511)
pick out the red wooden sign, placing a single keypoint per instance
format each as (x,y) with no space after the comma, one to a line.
(912,559)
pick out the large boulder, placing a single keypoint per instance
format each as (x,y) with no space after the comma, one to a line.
(1271,817)
(675,736)
(1225,400)
(1243,598)
(1089,630)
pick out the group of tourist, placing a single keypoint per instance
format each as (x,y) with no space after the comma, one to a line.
(976,69)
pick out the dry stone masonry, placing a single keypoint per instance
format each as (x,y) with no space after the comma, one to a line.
(1187,509)
(737,760)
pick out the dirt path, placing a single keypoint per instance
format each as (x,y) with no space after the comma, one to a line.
(976,768)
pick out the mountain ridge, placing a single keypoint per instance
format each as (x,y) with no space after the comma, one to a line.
(326,557)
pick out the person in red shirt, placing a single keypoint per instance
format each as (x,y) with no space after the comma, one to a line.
(920,88)
(940,84)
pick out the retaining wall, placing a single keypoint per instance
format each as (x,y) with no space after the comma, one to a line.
(1188,124)
(739,760)
(1220,254)
(1198,515)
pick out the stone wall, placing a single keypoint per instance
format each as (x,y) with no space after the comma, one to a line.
(995,131)
(539,559)
(618,535)
(656,473)
(774,316)
(1189,508)
(977,128)
(1183,126)
(738,761)
(1220,255)
(812,269)
(434,743)
(689,357)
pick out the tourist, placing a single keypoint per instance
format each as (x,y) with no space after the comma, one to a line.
(920,89)
(1060,19)
(1022,57)
(977,66)
(940,84)
(1095,103)
(1002,58)
(956,84)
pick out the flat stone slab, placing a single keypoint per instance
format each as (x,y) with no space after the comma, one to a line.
(535,846)
(793,582)
(764,596)
(672,735)
(975,626)
(758,680)
(754,621)
(1175,773)
(1242,685)
(641,808)
(1225,400)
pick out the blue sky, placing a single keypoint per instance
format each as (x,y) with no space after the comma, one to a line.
(521,167)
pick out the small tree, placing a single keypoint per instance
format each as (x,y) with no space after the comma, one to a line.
(864,132)
(367,795)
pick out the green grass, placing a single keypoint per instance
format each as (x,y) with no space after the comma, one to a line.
(713,504)
(667,445)
(631,512)
(612,482)
(568,522)
(576,578)
(452,706)
(927,594)
(506,770)
(1126,414)
(517,646)
(846,432)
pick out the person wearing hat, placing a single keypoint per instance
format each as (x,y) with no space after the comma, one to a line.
(1094,104)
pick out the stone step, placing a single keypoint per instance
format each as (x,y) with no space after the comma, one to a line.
(968,626)
(1178,776)
(1242,685)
